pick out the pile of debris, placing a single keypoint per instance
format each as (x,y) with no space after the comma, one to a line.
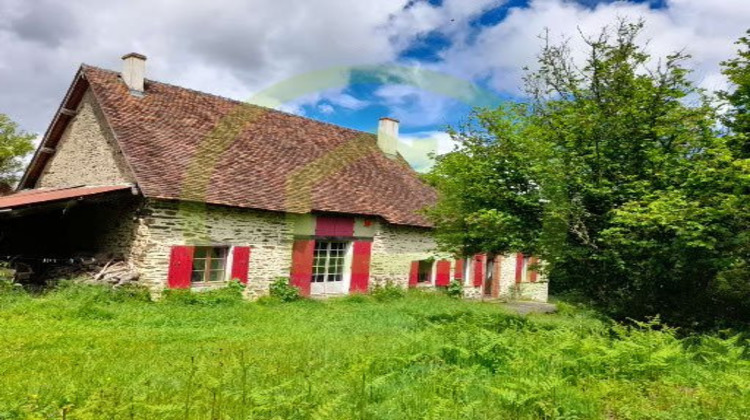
(115,273)
(90,271)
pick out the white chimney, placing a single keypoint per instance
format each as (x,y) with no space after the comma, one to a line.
(388,136)
(134,71)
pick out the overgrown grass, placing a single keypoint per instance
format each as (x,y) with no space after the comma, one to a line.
(90,353)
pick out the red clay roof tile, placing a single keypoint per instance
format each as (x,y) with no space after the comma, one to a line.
(188,145)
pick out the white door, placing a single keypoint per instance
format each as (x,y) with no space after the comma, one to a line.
(330,276)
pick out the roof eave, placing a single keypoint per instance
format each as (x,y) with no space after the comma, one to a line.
(54,132)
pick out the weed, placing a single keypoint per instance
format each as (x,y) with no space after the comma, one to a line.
(84,352)
(282,290)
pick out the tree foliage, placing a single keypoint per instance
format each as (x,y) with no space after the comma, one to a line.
(616,174)
(14,145)
(737,118)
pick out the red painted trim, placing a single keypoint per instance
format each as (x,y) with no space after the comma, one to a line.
(302,261)
(458,271)
(240,263)
(519,267)
(442,273)
(414,274)
(180,267)
(534,274)
(334,226)
(360,266)
(478,270)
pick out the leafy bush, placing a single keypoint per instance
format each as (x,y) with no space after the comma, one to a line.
(282,290)
(641,223)
(8,286)
(231,293)
(387,291)
(75,289)
(455,289)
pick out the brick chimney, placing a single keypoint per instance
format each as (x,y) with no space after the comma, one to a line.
(388,136)
(134,72)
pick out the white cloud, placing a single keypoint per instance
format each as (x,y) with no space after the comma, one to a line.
(414,106)
(705,29)
(237,48)
(326,109)
(232,48)
(417,147)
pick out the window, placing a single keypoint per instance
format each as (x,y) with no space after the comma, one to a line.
(425,271)
(209,264)
(328,262)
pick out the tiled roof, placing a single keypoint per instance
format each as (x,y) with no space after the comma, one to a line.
(187,145)
(44,195)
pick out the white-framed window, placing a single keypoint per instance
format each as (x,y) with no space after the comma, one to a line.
(329,261)
(209,264)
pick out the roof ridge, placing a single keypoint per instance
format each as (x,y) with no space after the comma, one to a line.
(235,101)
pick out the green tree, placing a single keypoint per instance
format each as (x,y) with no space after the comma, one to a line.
(614,173)
(14,145)
(737,118)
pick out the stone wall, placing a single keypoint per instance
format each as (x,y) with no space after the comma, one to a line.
(159,225)
(506,287)
(86,154)
(167,224)
(531,291)
(164,224)
(394,248)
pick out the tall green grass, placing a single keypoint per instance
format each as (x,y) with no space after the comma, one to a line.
(91,353)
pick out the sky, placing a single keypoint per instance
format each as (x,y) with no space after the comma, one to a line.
(348,62)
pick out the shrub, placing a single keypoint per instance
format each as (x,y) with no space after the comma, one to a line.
(232,293)
(455,289)
(388,291)
(9,287)
(100,293)
(283,291)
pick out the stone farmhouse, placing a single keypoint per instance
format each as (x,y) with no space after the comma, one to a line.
(193,190)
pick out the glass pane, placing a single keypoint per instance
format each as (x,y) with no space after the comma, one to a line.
(217,264)
(200,252)
(196,276)
(216,275)
(199,264)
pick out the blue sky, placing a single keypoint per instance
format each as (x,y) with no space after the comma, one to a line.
(359,105)
(240,48)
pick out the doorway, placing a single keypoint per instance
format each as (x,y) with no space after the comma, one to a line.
(330,273)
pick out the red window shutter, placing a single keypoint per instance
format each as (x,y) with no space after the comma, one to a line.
(414,274)
(519,267)
(458,271)
(478,270)
(443,273)
(180,267)
(334,226)
(302,265)
(360,266)
(240,263)
(533,273)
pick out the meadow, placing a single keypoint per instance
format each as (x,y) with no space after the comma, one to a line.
(84,352)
